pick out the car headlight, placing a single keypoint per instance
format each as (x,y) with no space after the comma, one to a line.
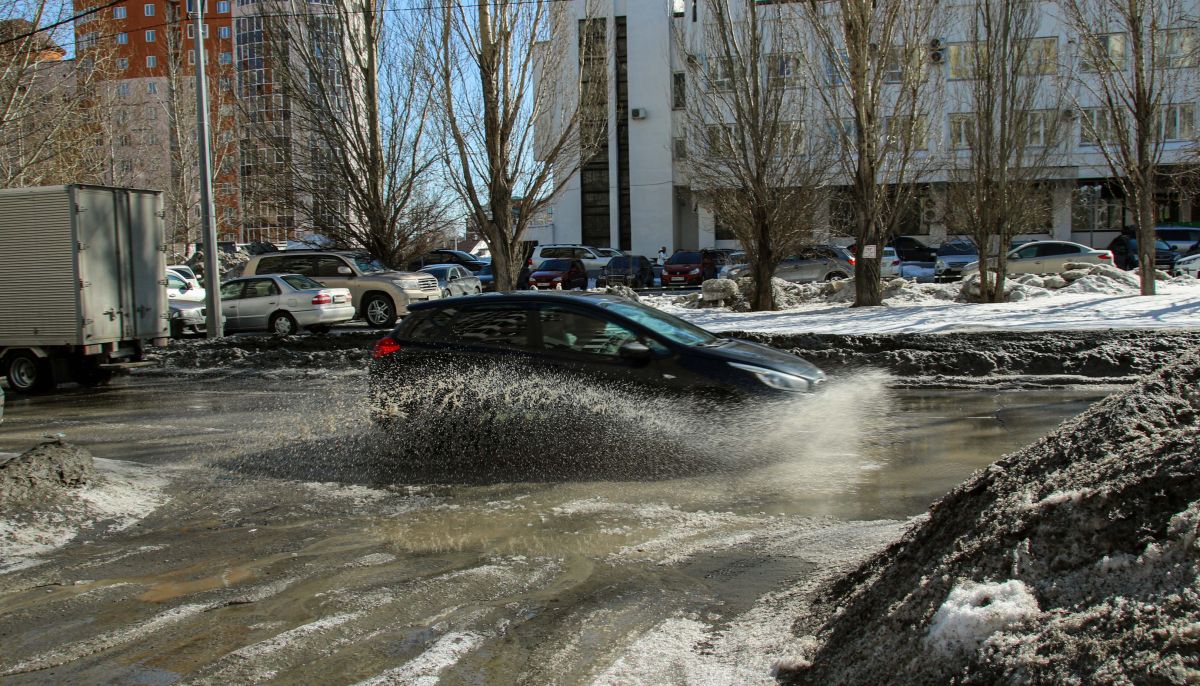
(176,314)
(406,284)
(780,380)
(940,264)
(694,271)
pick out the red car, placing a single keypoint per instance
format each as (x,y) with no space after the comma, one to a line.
(560,273)
(693,267)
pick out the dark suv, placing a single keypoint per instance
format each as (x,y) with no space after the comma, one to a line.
(601,338)
(634,271)
(448,256)
(1125,253)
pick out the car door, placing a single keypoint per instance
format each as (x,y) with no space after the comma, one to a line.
(1055,256)
(260,298)
(789,268)
(176,286)
(586,346)
(475,340)
(1024,261)
(231,297)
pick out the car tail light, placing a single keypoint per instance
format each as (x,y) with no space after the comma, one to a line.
(322,299)
(386,346)
(852,261)
(1105,255)
(895,263)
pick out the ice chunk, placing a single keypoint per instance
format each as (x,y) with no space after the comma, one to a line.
(974,611)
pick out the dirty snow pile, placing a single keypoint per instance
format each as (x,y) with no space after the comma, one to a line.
(1073,560)
(251,355)
(54,492)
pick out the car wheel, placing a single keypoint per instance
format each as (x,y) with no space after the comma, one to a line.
(282,324)
(379,311)
(28,374)
(446,293)
(836,276)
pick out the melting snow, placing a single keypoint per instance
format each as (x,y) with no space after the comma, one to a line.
(975,611)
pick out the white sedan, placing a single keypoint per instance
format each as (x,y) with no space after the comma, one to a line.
(282,304)
(1048,257)
(1189,266)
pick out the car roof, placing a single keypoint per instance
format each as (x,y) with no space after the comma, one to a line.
(522,297)
(308,251)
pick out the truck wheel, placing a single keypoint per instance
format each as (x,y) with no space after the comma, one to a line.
(28,374)
(379,311)
(282,324)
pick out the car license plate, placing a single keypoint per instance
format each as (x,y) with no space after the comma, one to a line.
(676,278)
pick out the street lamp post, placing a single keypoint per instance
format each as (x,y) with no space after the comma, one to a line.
(212,268)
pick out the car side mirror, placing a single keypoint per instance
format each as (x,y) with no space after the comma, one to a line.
(635,350)
(185,288)
(345,271)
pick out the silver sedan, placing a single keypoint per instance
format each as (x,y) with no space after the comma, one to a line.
(454,279)
(283,304)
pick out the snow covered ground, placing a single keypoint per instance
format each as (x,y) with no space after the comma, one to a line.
(933,308)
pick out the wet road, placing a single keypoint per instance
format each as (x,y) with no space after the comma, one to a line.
(295,545)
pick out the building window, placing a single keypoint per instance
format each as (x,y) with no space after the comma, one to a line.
(148,10)
(151,88)
(1039,127)
(1178,47)
(123,140)
(122,63)
(225,83)
(223,33)
(906,132)
(1103,51)
(720,74)
(1041,56)
(191,31)
(678,90)
(962,130)
(1097,124)
(900,63)
(223,7)
(123,90)
(152,113)
(226,58)
(680,147)
(122,38)
(1177,122)
(151,35)
(151,61)
(783,70)
(962,60)
(118,13)
(126,166)
(151,138)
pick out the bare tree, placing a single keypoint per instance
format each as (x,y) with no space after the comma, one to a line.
(1137,90)
(511,128)
(1004,131)
(52,110)
(357,159)
(872,62)
(753,154)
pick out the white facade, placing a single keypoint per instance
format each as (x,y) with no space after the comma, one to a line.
(664,212)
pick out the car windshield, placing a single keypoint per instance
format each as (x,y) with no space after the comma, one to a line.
(554,265)
(439,272)
(957,248)
(300,282)
(684,258)
(367,264)
(621,262)
(669,327)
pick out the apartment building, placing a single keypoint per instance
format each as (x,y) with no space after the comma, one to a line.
(151,46)
(636,195)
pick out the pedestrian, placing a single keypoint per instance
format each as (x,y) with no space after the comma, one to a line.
(523,276)
(708,265)
(662,255)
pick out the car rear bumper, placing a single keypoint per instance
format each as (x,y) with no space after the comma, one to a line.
(669,279)
(332,314)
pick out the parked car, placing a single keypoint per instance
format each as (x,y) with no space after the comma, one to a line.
(380,295)
(487,278)
(634,271)
(1189,266)
(593,260)
(283,304)
(693,267)
(1180,238)
(1048,257)
(952,256)
(455,279)
(889,263)
(178,288)
(187,318)
(186,272)
(815,263)
(559,273)
(912,250)
(1125,253)
(596,337)
(447,256)
(609,252)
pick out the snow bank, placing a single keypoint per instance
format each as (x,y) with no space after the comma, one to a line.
(1073,560)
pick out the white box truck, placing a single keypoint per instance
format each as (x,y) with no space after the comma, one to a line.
(82,283)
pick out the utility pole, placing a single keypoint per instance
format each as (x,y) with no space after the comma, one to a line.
(212,269)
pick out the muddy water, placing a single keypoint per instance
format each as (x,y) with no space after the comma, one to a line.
(297,547)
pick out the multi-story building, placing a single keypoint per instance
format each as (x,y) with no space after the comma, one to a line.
(152,45)
(636,195)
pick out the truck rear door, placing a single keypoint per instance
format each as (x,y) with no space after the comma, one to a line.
(148,298)
(100,272)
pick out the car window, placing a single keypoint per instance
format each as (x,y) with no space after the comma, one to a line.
(232,291)
(366,263)
(1051,249)
(567,330)
(554,265)
(260,288)
(502,327)
(327,265)
(301,283)
(270,265)
(668,326)
(1026,253)
(175,282)
(581,253)
(549,253)
(684,258)
(1182,235)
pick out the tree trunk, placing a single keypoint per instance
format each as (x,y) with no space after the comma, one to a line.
(764,269)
